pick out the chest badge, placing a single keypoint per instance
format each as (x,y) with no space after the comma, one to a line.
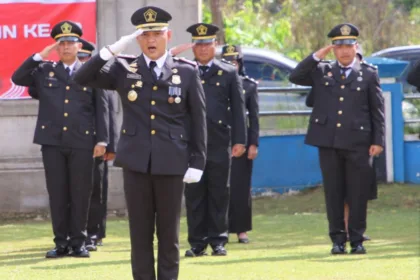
(329,74)
(220,72)
(132,95)
(139,84)
(51,74)
(176,79)
(174,70)
(359,78)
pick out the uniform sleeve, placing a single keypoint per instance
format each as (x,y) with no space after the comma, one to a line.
(413,77)
(91,74)
(113,129)
(197,109)
(310,99)
(253,111)
(33,92)
(376,104)
(26,74)
(304,71)
(237,104)
(102,116)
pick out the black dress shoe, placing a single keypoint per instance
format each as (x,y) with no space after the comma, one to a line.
(80,252)
(359,249)
(57,252)
(219,250)
(338,249)
(243,240)
(91,248)
(196,252)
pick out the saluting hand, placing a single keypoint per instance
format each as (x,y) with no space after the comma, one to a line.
(238,150)
(252,152)
(180,48)
(48,49)
(322,53)
(99,151)
(375,150)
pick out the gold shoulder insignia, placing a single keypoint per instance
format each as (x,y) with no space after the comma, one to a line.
(183,59)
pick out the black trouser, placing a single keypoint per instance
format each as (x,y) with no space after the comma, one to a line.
(347,176)
(207,202)
(154,199)
(68,174)
(98,201)
(240,206)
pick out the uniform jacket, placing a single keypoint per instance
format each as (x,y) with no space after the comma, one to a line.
(251,103)
(158,135)
(226,122)
(347,113)
(69,114)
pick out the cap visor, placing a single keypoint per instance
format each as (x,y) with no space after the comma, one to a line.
(203,41)
(345,42)
(68,38)
(230,57)
(155,28)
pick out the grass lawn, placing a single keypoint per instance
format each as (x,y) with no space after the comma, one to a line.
(289,241)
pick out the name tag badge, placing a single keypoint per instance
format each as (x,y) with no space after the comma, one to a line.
(133,76)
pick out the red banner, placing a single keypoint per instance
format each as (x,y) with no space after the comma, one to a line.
(25,27)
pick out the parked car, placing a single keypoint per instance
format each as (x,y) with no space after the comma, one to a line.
(407,53)
(269,68)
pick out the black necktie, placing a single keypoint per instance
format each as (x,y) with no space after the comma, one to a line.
(343,72)
(152,66)
(68,71)
(203,69)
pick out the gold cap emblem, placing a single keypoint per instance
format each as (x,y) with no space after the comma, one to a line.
(345,30)
(150,15)
(230,49)
(66,28)
(202,30)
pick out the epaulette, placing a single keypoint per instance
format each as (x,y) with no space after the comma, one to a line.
(183,59)
(127,57)
(364,62)
(250,79)
(227,62)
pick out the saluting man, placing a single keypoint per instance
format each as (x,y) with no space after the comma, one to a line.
(347,125)
(207,202)
(240,206)
(71,119)
(163,141)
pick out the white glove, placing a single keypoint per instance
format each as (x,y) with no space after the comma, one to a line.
(193,175)
(107,52)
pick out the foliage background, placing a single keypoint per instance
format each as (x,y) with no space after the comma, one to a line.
(298,27)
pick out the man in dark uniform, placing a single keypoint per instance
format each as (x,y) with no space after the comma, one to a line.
(347,125)
(207,202)
(163,141)
(240,206)
(374,186)
(71,119)
(98,204)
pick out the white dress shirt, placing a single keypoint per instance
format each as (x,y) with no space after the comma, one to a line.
(159,63)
